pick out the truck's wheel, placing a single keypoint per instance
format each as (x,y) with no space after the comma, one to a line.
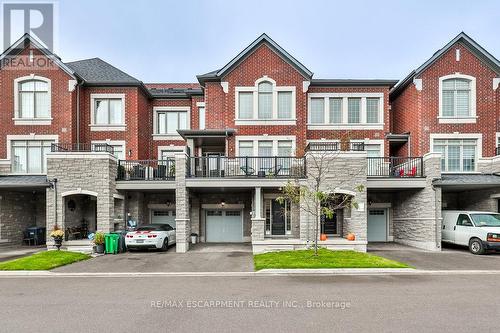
(476,246)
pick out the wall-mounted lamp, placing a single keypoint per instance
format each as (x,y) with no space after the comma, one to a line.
(169,203)
(223,202)
(129,152)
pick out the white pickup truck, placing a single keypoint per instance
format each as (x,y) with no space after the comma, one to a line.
(480,231)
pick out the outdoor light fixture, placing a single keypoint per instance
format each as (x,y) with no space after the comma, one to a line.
(223,202)
(129,152)
(169,203)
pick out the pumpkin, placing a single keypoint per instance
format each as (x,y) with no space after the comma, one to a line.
(351,237)
(322,237)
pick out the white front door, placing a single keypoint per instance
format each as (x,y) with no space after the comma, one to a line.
(224,226)
(377,225)
(163,217)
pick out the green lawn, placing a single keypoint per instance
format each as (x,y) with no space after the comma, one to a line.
(43,261)
(325,259)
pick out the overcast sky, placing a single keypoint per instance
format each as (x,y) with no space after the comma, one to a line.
(173,41)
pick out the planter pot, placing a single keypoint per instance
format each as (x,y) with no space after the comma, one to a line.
(58,242)
(351,237)
(99,248)
(322,237)
(194,239)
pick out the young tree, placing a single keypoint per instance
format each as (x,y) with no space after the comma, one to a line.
(318,195)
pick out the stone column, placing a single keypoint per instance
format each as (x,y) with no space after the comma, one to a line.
(258,222)
(182,220)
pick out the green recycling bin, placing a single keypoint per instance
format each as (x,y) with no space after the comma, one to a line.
(111,243)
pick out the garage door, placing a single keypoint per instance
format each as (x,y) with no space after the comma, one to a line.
(163,217)
(224,226)
(377,225)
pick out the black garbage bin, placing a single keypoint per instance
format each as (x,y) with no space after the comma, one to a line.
(121,240)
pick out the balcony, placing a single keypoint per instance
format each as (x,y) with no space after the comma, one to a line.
(395,167)
(146,170)
(246,167)
(81,147)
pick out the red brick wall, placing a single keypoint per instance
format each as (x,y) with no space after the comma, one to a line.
(62,107)
(418,111)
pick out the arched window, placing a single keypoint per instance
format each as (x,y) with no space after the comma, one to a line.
(456,100)
(33,98)
(265,100)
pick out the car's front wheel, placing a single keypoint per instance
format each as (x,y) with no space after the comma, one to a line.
(165,245)
(476,246)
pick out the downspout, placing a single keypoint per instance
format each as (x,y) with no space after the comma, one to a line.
(78,114)
(409,145)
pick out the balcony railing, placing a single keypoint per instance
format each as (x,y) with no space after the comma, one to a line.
(335,146)
(395,167)
(81,147)
(246,167)
(146,169)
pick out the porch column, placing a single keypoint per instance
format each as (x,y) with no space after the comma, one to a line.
(182,221)
(258,222)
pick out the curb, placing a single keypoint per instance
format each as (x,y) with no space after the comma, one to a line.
(262,273)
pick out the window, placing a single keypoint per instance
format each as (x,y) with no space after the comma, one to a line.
(246,148)
(285,148)
(29,156)
(169,154)
(108,111)
(265,100)
(464,220)
(354,110)
(118,151)
(245,103)
(372,110)
(265,148)
(317,111)
(33,99)
(456,98)
(372,150)
(168,122)
(458,155)
(335,110)
(201,115)
(284,104)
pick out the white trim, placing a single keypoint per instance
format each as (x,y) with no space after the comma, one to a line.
(31,137)
(376,205)
(32,121)
(496,83)
(79,191)
(175,149)
(256,139)
(16,100)
(418,84)
(118,196)
(455,119)
(305,86)
(225,86)
(200,104)
(86,155)
(373,142)
(344,125)
(479,146)
(113,143)
(274,120)
(106,127)
(169,136)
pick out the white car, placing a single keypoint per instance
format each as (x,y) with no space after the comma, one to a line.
(480,231)
(151,236)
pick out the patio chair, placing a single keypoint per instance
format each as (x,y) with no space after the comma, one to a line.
(247,170)
(29,237)
(412,172)
(273,171)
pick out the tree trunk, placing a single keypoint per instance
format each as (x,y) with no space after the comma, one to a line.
(316,227)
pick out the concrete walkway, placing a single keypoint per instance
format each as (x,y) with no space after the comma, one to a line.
(450,258)
(8,252)
(202,258)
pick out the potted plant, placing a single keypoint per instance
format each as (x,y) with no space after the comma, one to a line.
(194,238)
(99,242)
(57,234)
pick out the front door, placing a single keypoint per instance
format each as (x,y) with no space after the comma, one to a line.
(278,221)
(377,225)
(329,224)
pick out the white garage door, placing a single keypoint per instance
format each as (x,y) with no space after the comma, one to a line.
(163,217)
(224,226)
(377,225)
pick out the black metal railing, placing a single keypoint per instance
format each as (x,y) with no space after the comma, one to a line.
(246,167)
(81,147)
(395,167)
(146,169)
(335,146)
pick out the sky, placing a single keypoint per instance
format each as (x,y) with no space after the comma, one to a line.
(173,41)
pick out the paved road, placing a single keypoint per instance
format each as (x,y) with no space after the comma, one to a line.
(358,303)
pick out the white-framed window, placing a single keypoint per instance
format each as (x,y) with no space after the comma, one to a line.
(245,148)
(107,112)
(348,111)
(457,155)
(167,120)
(118,147)
(457,99)
(168,152)
(265,146)
(201,119)
(32,100)
(29,156)
(265,103)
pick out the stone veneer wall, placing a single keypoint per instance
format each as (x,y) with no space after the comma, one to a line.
(417,213)
(182,219)
(343,172)
(481,200)
(18,211)
(81,172)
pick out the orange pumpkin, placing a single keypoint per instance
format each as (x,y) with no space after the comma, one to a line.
(351,237)
(322,237)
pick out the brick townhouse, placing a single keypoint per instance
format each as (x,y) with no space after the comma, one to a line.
(88,147)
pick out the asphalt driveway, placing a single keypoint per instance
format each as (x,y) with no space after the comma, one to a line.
(450,258)
(202,258)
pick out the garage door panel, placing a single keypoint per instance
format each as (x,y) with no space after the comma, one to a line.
(224,226)
(163,217)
